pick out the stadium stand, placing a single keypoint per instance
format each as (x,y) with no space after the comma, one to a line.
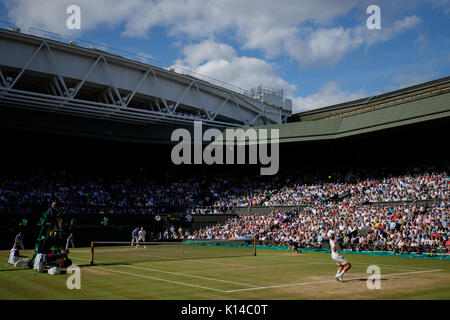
(149,194)
(377,213)
(390,183)
(400,228)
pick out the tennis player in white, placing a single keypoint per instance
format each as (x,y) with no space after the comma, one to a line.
(343,263)
(142,234)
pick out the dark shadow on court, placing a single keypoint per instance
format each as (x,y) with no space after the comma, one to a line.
(103,264)
(362,279)
(15,269)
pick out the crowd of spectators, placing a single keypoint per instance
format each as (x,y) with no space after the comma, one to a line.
(407,187)
(337,201)
(402,228)
(145,192)
(76,192)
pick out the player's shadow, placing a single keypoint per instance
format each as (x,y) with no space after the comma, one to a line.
(104,264)
(14,269)
(361,279)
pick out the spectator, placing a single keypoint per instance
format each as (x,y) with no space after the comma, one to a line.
(70,241)
(18,241)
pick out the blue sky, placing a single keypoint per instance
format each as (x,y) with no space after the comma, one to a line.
(320,52)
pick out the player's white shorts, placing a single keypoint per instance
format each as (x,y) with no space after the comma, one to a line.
(141,239)
(340,260)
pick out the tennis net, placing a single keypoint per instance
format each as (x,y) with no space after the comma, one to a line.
(110,252)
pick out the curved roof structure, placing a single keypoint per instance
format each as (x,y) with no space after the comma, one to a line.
(55,77)
(420,103)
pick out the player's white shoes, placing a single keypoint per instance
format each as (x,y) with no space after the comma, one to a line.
(339,277)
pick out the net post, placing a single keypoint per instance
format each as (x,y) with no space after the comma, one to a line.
(254,246)
(92,253)
(182,248)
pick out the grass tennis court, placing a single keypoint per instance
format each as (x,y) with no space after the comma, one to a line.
(226,273)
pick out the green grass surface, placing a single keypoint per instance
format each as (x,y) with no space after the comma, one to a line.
(202,272)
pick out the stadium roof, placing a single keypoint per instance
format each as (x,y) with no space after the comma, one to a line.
(419,103)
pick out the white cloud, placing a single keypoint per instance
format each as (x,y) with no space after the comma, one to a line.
(299,28)
(220,61)
(328,95)
(51,14)
(206,51)
(274,27)
(329,45)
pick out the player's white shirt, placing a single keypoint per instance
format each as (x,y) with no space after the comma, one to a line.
(336,256)
(142,234)
(335,244)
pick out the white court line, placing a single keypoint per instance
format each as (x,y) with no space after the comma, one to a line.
(179,273)
(211,262)
(189,250)
(304,261)
(301,259)
(397,267)
(217,269)
(284,265)
(221,263)
(256,288)
(158,256)
(159,279)
(193,260)
(192,276)
(292,262)
(325,281)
